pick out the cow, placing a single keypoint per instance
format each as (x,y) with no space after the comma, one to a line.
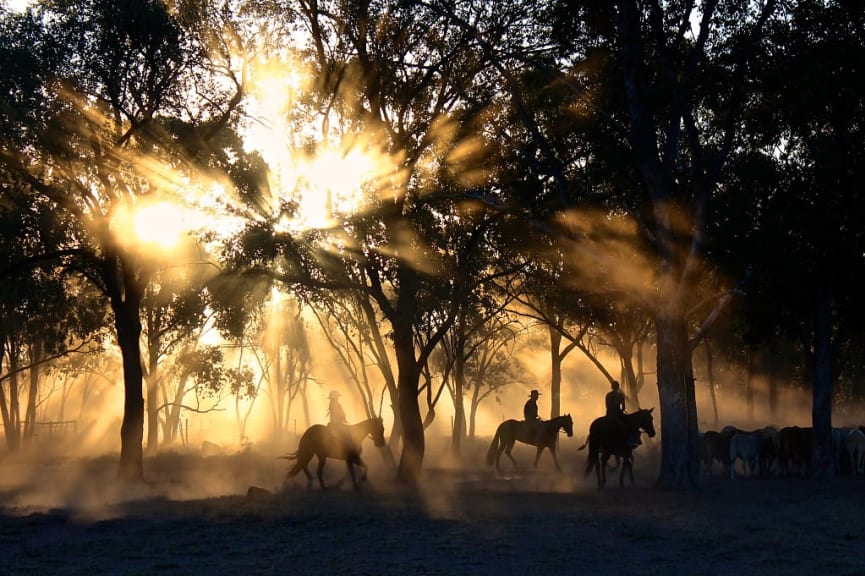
(745,446)
(794,450)
(712,448)
(839,450)
(856,450)
(716,446)
(769,445)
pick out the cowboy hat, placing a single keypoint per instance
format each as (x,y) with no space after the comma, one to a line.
(534,393)
(334,394)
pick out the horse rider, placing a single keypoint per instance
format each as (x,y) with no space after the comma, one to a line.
(338,423)
(615,403)
(530,414)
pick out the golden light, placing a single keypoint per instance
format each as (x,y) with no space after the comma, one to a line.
(162,224)
(331,179)
(334,183)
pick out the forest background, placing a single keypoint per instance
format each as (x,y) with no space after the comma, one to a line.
(231,208)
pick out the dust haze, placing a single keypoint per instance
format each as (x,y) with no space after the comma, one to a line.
(75,469)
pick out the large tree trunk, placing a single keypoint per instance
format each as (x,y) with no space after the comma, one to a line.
(413,441)
(821,410)
(128,325)
(680,465)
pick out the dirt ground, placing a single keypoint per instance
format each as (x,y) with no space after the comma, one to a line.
(197,515)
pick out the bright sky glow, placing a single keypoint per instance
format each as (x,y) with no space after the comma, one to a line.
(163,224)
(16,5)
(332,179)
(334,183)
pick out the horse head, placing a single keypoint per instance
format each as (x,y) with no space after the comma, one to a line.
(646,421)
(568,425)
(377,431)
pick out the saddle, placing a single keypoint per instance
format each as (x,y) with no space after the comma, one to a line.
(532,428)
(341,434)
(616,423)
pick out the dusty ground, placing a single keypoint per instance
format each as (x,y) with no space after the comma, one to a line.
(195,516)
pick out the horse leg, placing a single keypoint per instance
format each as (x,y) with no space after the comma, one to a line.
(362,465)
(627,464)
(602,470)
(508,453)
(321,462)
(555,458)
(624,465)
(308,475)
(538,455)
(499,452)
(349,462)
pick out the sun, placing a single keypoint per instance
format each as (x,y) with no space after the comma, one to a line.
(162,224)
(312,165)
(334,182)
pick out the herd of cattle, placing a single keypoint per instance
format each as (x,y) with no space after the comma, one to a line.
(771,451)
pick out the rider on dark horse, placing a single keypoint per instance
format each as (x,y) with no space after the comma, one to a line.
(530,415)
(338,422)
(615,403)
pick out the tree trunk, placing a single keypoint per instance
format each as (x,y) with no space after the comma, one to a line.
(128,325)
(4,408)
(711,376)
(555,372)
(459,428)
(414,444)
(821,411)
(36,349)
(629,378)
(152,409)
(9,410)
(771,375)
(680,465)
(754,368)
(385,369)
(408,378)
(473,410)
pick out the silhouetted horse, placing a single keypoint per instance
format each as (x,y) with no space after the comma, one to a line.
(324,442)
(610,437)
(542,435)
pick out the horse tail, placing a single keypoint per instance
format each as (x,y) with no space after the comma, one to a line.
(494,446)
(592,458)
(298,466)
(585,443)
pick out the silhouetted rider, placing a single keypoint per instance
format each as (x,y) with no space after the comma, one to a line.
(338,423)
(530,414)
(615,403)
(530,409)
